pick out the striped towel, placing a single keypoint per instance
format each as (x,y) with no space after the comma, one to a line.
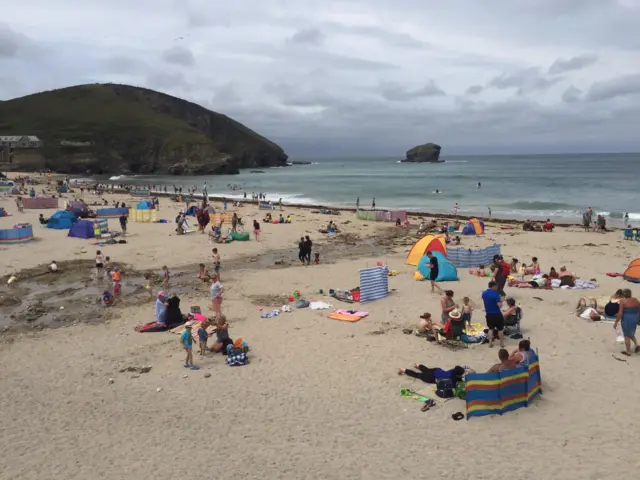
(374,284)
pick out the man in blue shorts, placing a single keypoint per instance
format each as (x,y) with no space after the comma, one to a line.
(493,313)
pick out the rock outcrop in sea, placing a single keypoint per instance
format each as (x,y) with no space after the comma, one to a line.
(427,153)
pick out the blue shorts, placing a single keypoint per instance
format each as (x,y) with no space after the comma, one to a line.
(466,317)
(217,268)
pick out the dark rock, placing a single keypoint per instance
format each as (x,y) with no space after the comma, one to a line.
(427,153)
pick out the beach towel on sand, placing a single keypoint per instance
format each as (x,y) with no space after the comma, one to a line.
(157,327)
(580,285)
(347,315)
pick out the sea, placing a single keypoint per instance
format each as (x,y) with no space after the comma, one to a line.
(559,187)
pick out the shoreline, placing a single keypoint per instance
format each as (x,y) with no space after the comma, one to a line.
(558,221)
(306,206)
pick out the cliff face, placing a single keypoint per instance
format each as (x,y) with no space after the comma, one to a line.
(427,153)
(119,129)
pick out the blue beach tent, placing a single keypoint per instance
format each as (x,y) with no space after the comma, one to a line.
(82,229)
(145,205)
(61,220)
(446,271)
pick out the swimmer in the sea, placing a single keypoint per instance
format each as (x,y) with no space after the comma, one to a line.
(437,191)
(479,185)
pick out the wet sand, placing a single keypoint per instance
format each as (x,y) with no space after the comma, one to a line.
(320,398)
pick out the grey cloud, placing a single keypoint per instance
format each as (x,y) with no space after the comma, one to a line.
(122,64)
(389,37)
(293,56)
(616,87)
(166,80)
(572,95)
(579,62)
(14,44)
(226,95)
(311,36)
(474,89)
(293,96)
(179,55)
(527,80)
(398,93)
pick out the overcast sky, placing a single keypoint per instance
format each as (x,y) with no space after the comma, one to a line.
(356,77)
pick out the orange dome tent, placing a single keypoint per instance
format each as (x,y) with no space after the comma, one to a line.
(632,273)
(433,243)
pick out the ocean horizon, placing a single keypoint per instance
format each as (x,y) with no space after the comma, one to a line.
(539,186)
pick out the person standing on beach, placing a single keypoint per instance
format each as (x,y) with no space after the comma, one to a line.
(215,291)
(256,230)
(373,203)
(628,318)
(358,203)
(308,244)
(456,209)
(489,211)
(433,272)
(498,274)
(493,313)
(216,261)
(301,252)
(166,277)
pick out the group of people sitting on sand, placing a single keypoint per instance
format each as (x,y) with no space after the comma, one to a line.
(565,277)
(331,228)
(455,320)
(529,226)
(433,227)
(269,219)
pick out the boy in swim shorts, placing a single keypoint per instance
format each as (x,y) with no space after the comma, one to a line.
(216,261)
(186,340)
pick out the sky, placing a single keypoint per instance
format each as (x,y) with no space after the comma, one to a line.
(356,77)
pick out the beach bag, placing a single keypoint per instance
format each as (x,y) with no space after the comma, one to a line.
(237,353)
(460,391)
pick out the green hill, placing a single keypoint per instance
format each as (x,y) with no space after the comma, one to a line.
(109,128)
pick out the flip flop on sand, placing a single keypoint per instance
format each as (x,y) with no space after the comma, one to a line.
(427,405)
(195,367)
(625,353)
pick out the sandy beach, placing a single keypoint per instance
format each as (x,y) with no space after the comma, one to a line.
(320,398)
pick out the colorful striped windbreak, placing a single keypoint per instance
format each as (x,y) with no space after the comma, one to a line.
(497,393)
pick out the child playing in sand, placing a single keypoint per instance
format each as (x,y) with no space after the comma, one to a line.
(481,272)
(534,268)
(99,264)
(256,230)
(107,266)
(216,261)
(203,336)
(108,299)
(514,265)
(222,335)
(186,340)
(467,311)
(115,278)
(216,290)
(425,325)
(203,273)
(147,285)
(167,277)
